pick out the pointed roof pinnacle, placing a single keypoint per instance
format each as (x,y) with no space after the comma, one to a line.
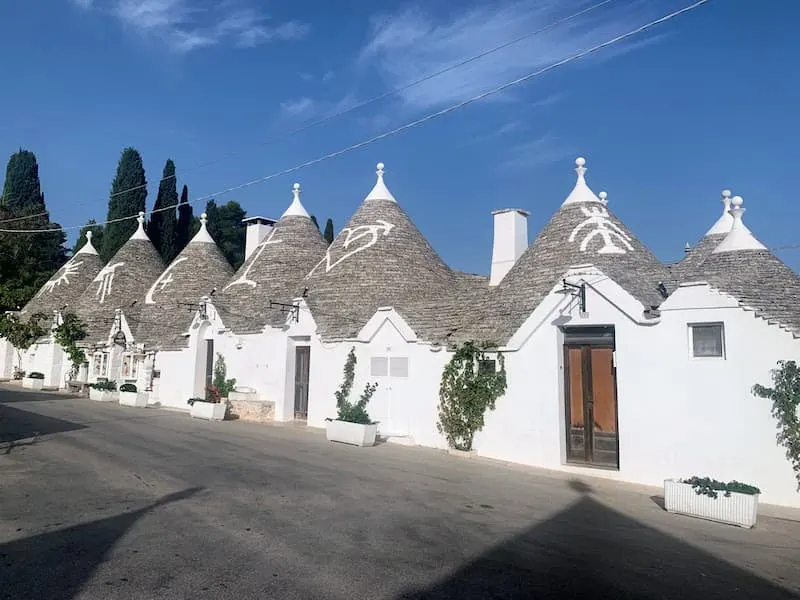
(603,198)
(139,234)
(739,237)
(87,248)
(202,236)
(380,191)
(296,208)
(581,192)
(725,221)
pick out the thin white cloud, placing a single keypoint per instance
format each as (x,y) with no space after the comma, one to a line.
(413,42)
(186,25)
(541,151)
(306,107)
(300,107)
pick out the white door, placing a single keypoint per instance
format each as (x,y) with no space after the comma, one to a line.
(390,405)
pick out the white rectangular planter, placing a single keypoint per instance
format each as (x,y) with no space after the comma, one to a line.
(211,411)
(32,384)
(352,433)
(736,509)
(102,395)
(135,399)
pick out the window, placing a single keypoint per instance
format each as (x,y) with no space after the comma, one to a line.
(487,366)
(389,366)
(398,366)
(130,366)
(100,364)
(707,340)
(379,366)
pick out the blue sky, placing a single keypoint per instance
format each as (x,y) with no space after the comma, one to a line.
(667,120)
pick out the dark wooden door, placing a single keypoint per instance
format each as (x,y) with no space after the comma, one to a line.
(302,364)
(591,404)
(209,364)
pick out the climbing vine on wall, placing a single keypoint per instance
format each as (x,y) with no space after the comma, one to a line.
(348,411)
(785,396)
(67,335)
(471,384)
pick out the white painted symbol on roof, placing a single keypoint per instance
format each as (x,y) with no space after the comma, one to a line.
(603,227)
(67,271)
(352,235)
(163,281)
(244,278)
(106,278)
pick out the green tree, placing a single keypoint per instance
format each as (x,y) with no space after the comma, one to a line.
(97,236)
(21,334)
(185,217)
(128,197)
(328,235)
(163,225)
(315,222)
(27,260)
(225,226)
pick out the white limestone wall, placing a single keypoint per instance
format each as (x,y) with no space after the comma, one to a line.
(7,358)
(405,407)
(678,416)
(48,359)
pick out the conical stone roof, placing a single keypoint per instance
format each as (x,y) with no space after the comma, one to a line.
(120,284)
(742,267)
(273,272)
(170,302)
(379,259)
(687,269)
(65,287)
(583,231)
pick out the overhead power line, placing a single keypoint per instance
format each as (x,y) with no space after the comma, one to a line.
(410,125)
(360,105)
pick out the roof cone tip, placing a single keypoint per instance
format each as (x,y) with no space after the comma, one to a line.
(296,208)
(202,236)
(140,234)
(739,237)
(603,197)
(88,247)
(380,191)
(725,221)
(582,192)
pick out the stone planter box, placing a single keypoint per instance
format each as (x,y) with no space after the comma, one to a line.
(351,433)
(461,453)
(255,411)
(135,399)
(102,395)
(32,384)
(211,411)
(736,509)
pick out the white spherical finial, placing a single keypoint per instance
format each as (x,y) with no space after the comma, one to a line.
(89,236)
(726,193)
(203,218)
(603,196)
(737,201)
(580,162)
(140,218)
(380,168)
(296,187)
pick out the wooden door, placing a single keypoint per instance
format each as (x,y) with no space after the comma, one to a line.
(591,404)
(302,364)
(209,365)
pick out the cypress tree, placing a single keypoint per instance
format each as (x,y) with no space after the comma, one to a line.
(27,260)
(163,225)
(314,221)
(225,226)
(128,196)
(185,217)
(328,235)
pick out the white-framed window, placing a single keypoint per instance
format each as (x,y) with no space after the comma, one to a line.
(389,366)
(100,364)
(707,340)
(130,366)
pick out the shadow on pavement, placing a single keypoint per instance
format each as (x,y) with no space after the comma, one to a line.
(17,424)
(57,564)
(19,395)
(591,551)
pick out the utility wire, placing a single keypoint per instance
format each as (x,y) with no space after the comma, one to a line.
(360,105)
(411,124)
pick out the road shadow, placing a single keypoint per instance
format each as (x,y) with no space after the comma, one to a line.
(57,564)
(20,395)
(591,551)
(17,424)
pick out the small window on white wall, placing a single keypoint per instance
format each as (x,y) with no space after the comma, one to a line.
(379,366)
(707,340)
(398,366)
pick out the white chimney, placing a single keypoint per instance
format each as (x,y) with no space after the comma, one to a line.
(256,230)
(510,241)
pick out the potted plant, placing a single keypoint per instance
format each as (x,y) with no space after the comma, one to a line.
(734,503)
(352,424)
(129,396)
(34,381)
(210,408)
(103,391)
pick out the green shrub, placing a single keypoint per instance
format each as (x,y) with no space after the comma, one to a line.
(127,387)
(35,375)
(104,386)
(706,486)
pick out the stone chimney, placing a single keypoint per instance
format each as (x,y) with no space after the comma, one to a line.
(510,241)
(256,230)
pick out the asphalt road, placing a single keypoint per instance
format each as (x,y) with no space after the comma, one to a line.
(103,502)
